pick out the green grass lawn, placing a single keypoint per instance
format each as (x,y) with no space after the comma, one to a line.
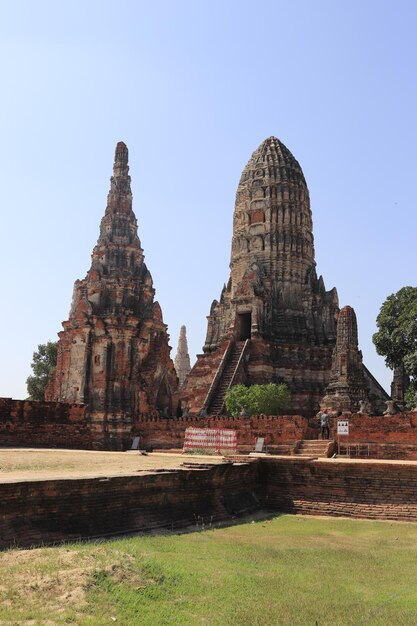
(287,570)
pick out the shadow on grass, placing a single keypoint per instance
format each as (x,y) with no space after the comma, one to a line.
(202,523)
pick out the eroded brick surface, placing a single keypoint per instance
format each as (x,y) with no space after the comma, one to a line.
(113,354)
(273,298)
(44,424)
(351,489)
(56,510)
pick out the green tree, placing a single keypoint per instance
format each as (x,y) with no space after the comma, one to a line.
(236,399)
(43,364)
(270,399)
(396,338)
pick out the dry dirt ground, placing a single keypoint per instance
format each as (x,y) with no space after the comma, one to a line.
(22,464)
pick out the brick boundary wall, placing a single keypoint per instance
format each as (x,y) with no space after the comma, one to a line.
(387,436)
(400,428)
(55,510)
(24,423)
(277,430)
(356,489)
(57,425)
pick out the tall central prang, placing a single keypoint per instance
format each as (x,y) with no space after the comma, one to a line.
(273,291)
(274,321)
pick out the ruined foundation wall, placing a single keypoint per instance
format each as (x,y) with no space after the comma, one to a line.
(58,510)
(350,489)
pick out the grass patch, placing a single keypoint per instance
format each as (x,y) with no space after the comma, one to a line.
(288,570)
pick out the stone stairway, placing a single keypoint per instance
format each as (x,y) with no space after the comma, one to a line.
(216,405)
(312,447)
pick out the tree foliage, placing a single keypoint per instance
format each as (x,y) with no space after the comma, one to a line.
(270,399)
(43,364)
(237,398)
(410,396)
(396,338)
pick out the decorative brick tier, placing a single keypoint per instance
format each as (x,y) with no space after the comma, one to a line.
(387,451)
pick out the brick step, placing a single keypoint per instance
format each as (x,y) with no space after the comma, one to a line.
(224,384)
(280,450)
(314,442)
(236,458)
(220,395)
(311,451)
(312,447)
(222,387)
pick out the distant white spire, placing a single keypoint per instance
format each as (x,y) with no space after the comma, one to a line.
(182,358)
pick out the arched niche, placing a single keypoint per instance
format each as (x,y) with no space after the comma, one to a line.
(163,399)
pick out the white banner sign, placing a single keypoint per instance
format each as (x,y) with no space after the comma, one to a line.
(214,439)
(342,427)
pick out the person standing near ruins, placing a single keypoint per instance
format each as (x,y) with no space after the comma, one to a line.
(324,425)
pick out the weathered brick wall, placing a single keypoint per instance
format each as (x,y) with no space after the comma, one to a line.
(350,488)
(55,424)
(44,424)
(400,428)
(49,511)
(397,434)
(277,430)
(393,451)
(389,437)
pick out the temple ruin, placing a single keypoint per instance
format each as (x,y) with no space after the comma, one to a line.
(113,354)
(275,321)
(351,386)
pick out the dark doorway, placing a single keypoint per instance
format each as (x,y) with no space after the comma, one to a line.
(163,400)
(243,326)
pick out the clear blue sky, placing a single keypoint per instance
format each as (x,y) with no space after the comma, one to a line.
(193,88)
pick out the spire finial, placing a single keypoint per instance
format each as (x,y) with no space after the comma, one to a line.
(120,181)
(121,155)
